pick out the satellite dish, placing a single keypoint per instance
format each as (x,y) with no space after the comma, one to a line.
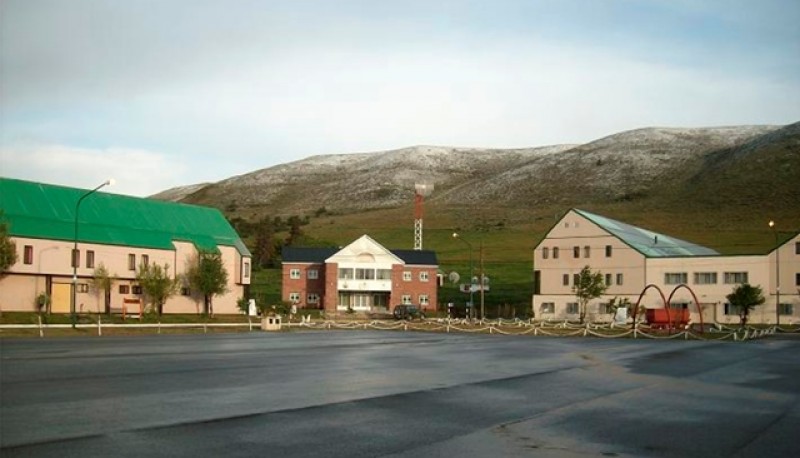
(454,277)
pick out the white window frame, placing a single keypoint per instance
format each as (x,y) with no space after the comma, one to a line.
(405,299)
(407,275)
(424,275)
(547,307)
(735,278)
(312,298)
(294,274)
(675,278)
(294,297)
(705,278)
(423,300)
(312,274)
(573,308)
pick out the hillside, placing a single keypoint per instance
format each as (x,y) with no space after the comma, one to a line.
(714,186)
(662,164)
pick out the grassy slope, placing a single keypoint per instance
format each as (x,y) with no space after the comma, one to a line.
(508,236)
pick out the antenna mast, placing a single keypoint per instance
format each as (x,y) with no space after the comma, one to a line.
(420,191)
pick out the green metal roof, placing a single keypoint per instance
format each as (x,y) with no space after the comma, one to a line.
(649,243)
(46,211)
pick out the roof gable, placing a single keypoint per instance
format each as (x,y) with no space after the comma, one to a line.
(364,249)
(38,210)
(361,247)
(650,244)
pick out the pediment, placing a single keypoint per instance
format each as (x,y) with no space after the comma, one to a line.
(364,250)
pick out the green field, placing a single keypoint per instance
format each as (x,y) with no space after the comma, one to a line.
(503,239)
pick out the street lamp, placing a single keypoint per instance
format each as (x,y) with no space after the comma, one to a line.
(471,303)
(109,182)
(777,276)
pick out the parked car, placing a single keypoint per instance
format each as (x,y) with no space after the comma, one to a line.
(407,312)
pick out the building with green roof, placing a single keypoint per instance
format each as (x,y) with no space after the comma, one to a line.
(115,231)
(631,258)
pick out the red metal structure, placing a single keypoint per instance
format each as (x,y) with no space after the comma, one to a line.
(663,299)
(696,303)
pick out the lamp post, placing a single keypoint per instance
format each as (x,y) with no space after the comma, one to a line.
(471,304)
(75,260)
(777,275)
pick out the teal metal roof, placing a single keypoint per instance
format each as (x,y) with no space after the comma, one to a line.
(649,243)
(46,211)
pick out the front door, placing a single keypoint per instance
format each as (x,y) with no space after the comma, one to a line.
(60,300)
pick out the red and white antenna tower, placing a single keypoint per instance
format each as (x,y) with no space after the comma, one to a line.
(420,191)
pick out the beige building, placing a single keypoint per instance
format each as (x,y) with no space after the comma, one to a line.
(117,232)
(631,258)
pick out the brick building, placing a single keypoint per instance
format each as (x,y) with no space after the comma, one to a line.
(363,276)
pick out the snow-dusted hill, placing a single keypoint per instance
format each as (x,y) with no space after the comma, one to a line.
(627,166)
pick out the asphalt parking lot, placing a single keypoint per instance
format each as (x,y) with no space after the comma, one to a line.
(370,393)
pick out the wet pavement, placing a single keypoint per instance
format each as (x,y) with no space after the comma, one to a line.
(368,393)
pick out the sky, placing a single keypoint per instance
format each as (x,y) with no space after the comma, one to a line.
(158,94)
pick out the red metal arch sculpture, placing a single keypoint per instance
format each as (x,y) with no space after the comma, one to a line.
(641,295)
(696,302)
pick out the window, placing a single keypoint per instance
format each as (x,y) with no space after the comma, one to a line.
(731,310)
(548,307)
(576,278)
(312,298)
(619,279)
(365,274)
(676,278)
(423,299)
(608,280)
(294,274)
(606,308)
(90,259)
(76,258)
(423,275)
(131,261)
(797,279)
(136,289)
(246,273)
(545,252)
(406,275)
(384,274)
(313,274)
(82,287)
(145,260)
(124,289)
(185,291)
(572,308)
(555,252)
(797,248)
(565,280)
(294,297)
(608,251)
(406,299)
(587,251)
(732,278)
(27,256)
(705,278)
(786,309)
(576,252)
(345,274)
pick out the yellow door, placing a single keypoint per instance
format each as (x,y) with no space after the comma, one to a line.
(62,293)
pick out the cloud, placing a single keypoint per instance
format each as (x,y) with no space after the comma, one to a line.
(136,172)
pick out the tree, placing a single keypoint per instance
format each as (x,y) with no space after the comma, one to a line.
(102,281)
(8,249)
(745,297)
(156,284)
(590,285)
(265,250)
(296,234)
(207,275)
